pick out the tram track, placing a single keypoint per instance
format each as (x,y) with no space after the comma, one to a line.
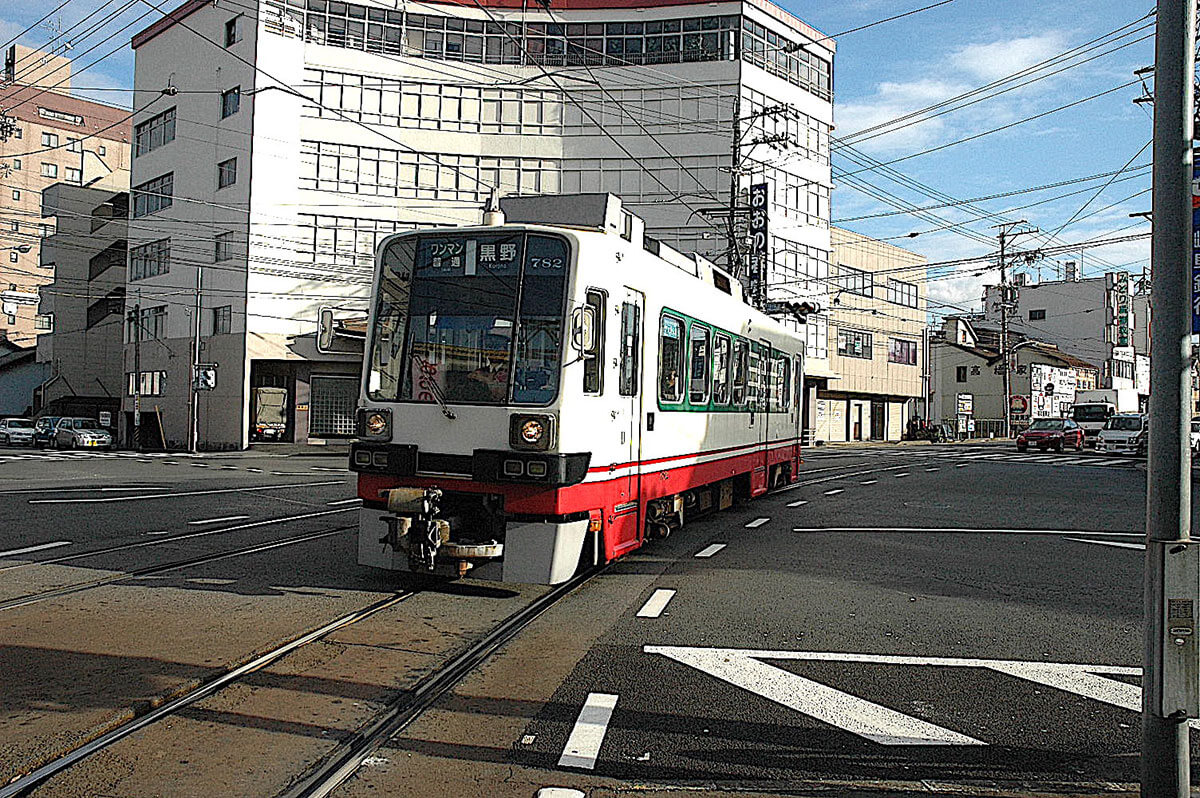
(160,568)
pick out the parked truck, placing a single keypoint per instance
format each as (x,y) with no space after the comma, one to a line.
(1093,408)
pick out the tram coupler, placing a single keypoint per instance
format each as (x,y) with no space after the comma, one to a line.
(415,527)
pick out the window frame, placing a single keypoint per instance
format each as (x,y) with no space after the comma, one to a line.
(231,99)
(739,394)
(628,382)
(705,363)
(593,367)
(1040,317)
(960,374)
(664,399)
(233,31)
(865,343)
(227,173)
(722,387)
(222,320)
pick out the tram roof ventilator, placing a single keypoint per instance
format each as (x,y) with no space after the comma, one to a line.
(605,213)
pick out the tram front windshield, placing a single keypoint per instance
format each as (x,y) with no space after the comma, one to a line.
(474,319)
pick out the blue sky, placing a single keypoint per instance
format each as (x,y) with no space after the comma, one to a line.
(883,73)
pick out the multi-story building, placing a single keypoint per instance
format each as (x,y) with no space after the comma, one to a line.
(46,137)
(80,314)
(1093,319)
(968,379)
(877,336)
(355,120)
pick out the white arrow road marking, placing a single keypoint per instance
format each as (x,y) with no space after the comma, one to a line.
(1116,544)
(583,746)
(837,708)
(742,668)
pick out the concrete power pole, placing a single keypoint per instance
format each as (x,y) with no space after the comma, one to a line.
(193,391)
(1005,349)
(1169,681)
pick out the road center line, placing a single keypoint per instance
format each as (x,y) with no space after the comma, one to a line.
(710,550)
(961,465)
(184,493)
(203,521)
(757,522)
(343,501)
(800,503)
(41,547)
(655,605)
(868,482)
(901,476)
(583,746)
(835,491)
(933,469)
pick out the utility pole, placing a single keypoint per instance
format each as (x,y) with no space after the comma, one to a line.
(1005,233)
(1169,666)
(193,391)
(733,257)
(137,373)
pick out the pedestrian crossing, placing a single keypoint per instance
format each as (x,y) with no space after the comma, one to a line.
(983,454)
(69,454)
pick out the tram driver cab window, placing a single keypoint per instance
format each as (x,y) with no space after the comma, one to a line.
(698,341)
(670,360)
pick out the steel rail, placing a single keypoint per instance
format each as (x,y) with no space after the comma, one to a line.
(23,785)
(34,598)
(327,775)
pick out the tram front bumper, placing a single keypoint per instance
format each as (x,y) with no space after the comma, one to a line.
(544,553)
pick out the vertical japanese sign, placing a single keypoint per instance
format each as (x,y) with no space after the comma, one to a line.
(758,238)
(1195,244)
(1124,301)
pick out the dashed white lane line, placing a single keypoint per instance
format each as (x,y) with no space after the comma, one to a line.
(202,521)
(868,482)
(655,605)
(757,522)
(1116,544)
(902,476)
(342,501)
(198,465)
(39,547)
(835,491)
(254,470)
(797,504)
(583,746)
(326,468)
(229,468)
(933,469)
(961,465)
(710,550)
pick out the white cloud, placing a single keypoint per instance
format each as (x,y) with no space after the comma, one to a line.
(9,29)
(994,60)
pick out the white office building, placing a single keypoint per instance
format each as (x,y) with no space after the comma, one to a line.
(293,135)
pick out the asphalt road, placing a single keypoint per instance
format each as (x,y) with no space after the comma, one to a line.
(880,628)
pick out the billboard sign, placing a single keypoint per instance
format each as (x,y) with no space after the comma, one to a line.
(1052,390)
(966,404)
(758,220)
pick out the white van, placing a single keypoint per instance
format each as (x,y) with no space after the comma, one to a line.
(1124,433)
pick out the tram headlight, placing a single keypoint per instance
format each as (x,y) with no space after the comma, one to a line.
(375,424)
(531,432)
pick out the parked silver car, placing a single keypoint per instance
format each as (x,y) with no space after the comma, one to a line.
(16,431)
(80,433)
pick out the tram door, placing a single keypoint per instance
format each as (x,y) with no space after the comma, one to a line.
(627,522)
(762,375)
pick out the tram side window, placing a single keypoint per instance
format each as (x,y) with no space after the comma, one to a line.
(699,339)
(741,366)
(670,359)
(721,370)
(631,347)
(593,367)
(755,380)
(785,384)
(799,372)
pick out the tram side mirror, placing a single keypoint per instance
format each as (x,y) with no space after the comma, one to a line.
(583,331)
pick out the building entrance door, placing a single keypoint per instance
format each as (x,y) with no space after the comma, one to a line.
(878,421)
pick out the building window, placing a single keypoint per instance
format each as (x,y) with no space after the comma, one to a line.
(902,352)
(14,226)
(74,145)
(49,139)
(902,293)
(223,249)
(44,322)
(227,173)
(152,383)
(16,164)
(74,175)
(153,133)
(102,151)
(233,31)
(150,259)
(231,101)
(222,320)
(960,373)
(153,195)
(1037,315)
(12,256)
(856,281)
(16,194)
(852,343)
(151,325)
(49,170)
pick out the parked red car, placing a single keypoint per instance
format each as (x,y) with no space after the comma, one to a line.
(1051,433)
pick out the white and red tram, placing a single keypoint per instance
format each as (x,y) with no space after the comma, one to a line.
(541,396)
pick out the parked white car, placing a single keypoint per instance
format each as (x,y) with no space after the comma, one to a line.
(1124,433)
(80,433)
(16,431)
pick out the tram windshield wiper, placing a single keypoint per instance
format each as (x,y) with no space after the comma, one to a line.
(433,387)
